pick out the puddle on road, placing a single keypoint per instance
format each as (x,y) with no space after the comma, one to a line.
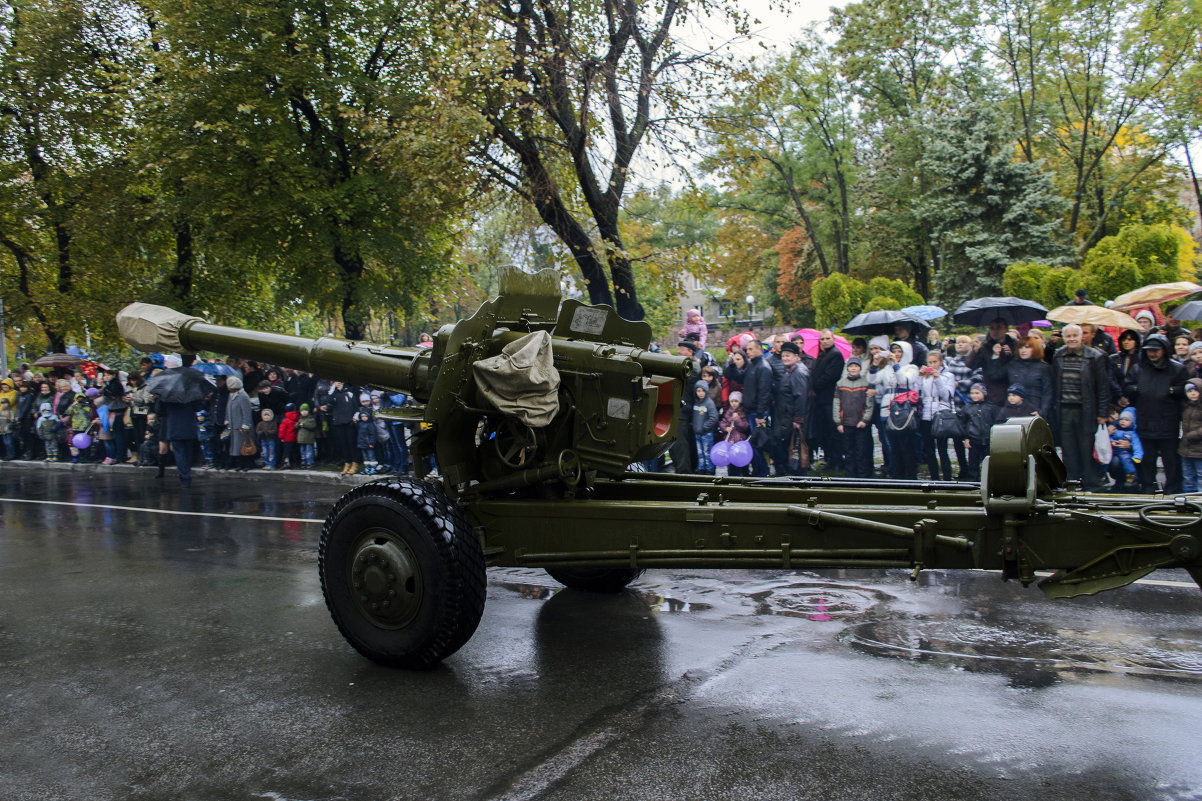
(1031,654)
(655,603)
(819,601)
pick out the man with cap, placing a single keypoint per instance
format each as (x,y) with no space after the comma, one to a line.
(1156,390)
(1146,320)
(828,369)
(1079,299)
(1080,403)
(792,401)
(757,402)
(684,449)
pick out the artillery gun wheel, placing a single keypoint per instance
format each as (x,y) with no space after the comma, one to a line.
(402,572)
(594,579)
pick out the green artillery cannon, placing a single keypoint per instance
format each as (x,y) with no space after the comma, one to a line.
(534,408)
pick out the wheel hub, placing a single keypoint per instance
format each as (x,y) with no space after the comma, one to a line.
(385,580)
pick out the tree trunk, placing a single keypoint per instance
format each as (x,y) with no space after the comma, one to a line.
(181,276)
(354,317)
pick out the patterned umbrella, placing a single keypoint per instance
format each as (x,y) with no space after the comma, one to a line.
(1154,294)
(58,360)
(1093,315)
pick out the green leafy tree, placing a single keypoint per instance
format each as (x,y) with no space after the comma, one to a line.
(881,287)
(301,138)
(837,298)
(67,73)
(882,303)
(983,208)
(570,93)
(1022,279)
(1138,255)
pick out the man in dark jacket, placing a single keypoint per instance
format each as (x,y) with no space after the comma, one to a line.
(1080,403)
(992,358)
(757,402)
(828,369)
(1156,389)
(218,401)
(1097,338)
(177,425)
(904,332)
(684,448)
(792,400)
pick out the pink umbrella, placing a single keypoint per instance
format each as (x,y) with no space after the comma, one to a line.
(809,342)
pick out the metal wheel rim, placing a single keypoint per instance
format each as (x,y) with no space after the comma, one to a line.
(385,579)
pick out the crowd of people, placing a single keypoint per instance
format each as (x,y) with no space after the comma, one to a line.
(922,399)
(917,398)
(257,417)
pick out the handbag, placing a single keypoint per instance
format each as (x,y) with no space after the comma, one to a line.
(799,451)
(761,437)
(946,425)
(903,411)
(248,445)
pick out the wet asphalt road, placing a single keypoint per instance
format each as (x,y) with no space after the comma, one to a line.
(166,656)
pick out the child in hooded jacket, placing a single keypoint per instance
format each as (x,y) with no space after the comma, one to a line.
(47,428)
(289,453)
(694,323)
(268,432)
(80,417)
(8,428)
(306,435)
(705,421)
(1190,447)
(1126,449)
(735,427)
(978,417)
(1017,404)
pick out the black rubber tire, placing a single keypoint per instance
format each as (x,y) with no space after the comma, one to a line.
(594,579)
(411,549)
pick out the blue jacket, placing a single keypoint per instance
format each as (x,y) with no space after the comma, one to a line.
(1129,434)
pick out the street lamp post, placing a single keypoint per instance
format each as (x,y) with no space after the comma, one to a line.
(750,307)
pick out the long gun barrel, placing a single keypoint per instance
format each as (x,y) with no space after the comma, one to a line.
(400,369)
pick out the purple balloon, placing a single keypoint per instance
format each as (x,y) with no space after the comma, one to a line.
(81,441)
(740,454)
(720,453)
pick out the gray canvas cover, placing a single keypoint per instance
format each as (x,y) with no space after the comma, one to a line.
(522,380)
(151,328)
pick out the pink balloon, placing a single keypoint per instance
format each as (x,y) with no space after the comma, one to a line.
(720,453)
(740,454)
(81,441)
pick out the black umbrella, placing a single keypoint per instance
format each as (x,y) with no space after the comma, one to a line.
(882,322)
(179,385)
(1014,311)
(1188,311)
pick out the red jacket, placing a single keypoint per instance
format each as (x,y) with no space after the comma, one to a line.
(288,427)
